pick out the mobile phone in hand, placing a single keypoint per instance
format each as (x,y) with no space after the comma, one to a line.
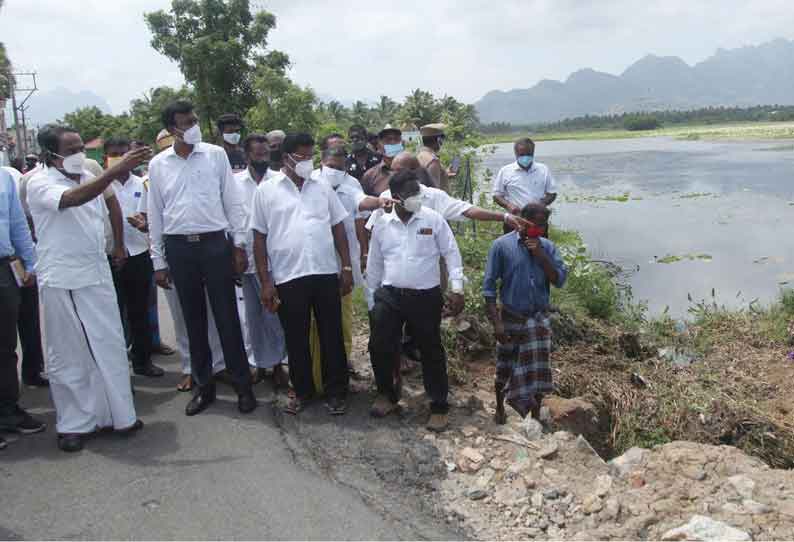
(455,165)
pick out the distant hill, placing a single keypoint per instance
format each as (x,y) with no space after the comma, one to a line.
(51,105)
(762,74)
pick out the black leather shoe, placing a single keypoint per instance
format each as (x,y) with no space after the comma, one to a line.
(70,443)
(150,370)
(200,402)
(246,402)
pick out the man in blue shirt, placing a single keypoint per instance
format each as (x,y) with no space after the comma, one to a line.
(524,263)
(15,243)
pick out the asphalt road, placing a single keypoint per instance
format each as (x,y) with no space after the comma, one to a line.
(218,475)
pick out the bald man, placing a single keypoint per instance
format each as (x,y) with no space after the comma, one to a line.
(444,204)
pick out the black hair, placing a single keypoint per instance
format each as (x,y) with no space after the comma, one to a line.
(324,141)
(49,137)
(401,178)
(229,118)
(524,142)
(139,142)
(174,108)
(251,138)
(328,152)
(116,141)
(357,129)
(372,138)
(295,140)
(531,210)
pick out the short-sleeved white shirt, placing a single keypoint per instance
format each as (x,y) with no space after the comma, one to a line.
(248,189)
(298,226)
(520,186)
(71,241)
(129,195)
(350,195)
(433,198)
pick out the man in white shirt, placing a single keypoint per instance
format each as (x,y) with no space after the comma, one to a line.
(524,181)
(133,280)
(86,351)
(358,206)
(264,328)
(193,201)
(403,271)
(172,299)
(298,226)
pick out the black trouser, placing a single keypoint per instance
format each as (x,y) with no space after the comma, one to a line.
(9,313)
(133,284)
(421,309)
(299,297)
(196,263)
(29,326)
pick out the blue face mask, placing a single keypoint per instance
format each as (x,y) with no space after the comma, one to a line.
(525,160)
(392,149)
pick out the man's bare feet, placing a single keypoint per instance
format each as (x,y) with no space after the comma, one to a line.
(186,384)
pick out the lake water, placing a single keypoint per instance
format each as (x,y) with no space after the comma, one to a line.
(728,205)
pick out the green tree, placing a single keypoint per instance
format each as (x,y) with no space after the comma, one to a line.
(419,108)
(146,111)
(5,73)
(219,45)
(385,111)
(281,104)
(91,122)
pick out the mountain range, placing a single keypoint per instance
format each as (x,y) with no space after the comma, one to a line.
(754,75)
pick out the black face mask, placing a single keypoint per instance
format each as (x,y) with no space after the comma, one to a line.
(260,166)
(358,145)
(276,156)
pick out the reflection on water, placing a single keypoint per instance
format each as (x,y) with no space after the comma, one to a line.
(730,201)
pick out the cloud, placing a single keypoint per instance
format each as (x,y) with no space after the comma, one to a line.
(361,49)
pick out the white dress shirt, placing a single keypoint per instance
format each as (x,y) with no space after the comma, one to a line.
(350,195)
(406,255)
(248,187)
(519,186)
(192,195)
(298,227)
(71,241)
(433,198)
(129,195)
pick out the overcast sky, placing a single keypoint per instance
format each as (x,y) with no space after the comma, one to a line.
(361,49)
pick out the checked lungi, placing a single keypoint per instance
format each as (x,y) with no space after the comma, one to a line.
(523,368)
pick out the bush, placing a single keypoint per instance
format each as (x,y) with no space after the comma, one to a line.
(636,123)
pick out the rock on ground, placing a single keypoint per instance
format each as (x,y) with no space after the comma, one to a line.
(706,530)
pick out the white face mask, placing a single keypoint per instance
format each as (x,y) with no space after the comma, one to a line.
(192,135)
(334,176)
(303,169)
(413,204)
(232,139)
(74,163)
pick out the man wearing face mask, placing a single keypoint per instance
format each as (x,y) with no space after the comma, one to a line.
(376,180)
(432,139)
(357,205)
(230,127)
(361,159)
(87,359)
(193,201)
(524,181)
(264,328)
(403,272)
(274,140)
(298,232)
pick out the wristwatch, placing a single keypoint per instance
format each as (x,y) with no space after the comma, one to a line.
(347,268)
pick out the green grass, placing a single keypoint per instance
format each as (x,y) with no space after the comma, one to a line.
(726,131)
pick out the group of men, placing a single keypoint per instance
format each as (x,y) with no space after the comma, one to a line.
(258,252)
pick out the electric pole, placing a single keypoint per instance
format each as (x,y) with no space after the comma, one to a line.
(19,109)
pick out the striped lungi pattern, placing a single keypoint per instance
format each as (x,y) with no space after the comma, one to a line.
(523,367)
